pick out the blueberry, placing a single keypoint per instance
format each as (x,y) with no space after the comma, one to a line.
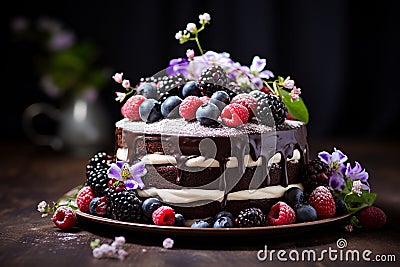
(223,222)
(150,110)
(200,224)
(294,196)
(179,220)
(170,107)
(149,205)
(340,207)
(223,214)
(147,90)
(191,88)
(305,213)
(207,114)
(92,205)
(220,99)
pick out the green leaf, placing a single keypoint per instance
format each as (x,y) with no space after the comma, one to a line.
(355,202)
(297,109)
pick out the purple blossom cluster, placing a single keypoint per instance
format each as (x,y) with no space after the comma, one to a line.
(337,181)
(243,75)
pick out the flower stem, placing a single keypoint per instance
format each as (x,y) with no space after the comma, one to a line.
(198,44)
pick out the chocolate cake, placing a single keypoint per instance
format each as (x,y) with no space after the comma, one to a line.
(201,170)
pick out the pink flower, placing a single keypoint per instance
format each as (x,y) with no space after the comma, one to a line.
(288,83)
(296,90)
(349,228)
(190,53)
(126,84)
(118,77)
(295,93)
(204,18)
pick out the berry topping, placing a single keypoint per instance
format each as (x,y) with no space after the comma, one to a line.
(280,214)
(271,110)
(223,214)
(170,107)
(64,217)
(246,100)
(189,106)
(179,220)
(372,217)
(322,201)
(223,222)
(207,114)
(316,173)
(150,110)
(125,205)
(305,213)
(213,79)
(149,205)
(220,99)
(234,115)
(191,88)
(293,196)
(130,109)
(250,217)
(200,224)
(148,90)
(85,195)
(164,215)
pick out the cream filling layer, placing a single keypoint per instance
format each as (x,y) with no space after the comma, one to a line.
(200,161)
(188,195)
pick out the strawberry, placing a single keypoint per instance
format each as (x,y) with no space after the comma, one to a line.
(130,109)
(188,107)
(323,202)
(164,215)
(281,213)
(64,217)
(234,115)
(246,100)
(372,217)
(85,195)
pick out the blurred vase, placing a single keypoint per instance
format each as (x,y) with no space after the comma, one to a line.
(83,124)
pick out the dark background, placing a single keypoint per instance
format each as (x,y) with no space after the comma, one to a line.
(344,55)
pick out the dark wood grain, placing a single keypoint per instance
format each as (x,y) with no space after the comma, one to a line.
(30,174)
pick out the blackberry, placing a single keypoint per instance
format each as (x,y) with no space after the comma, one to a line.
(172,84)
(213,79)
(257,94)
(271,110)
(98,180)
(316,173)
(250,217)
(235,89)
(125,206)
(100,160)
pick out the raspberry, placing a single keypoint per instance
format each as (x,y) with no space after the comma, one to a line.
(188,107)
(64,217)
(234,115)
(248,101)
(281,213)
(372,217)
(164,215)
(130,109)
(322,201)
(85,195)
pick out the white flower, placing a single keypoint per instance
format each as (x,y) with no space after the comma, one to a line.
(178,35)
(119,242)
(357,186)
(191,27)
(97,253)
(288,83)
(118,77)
(122,254)
(120,96)
(204,18)
(42,206)
(126,84)
(168,243)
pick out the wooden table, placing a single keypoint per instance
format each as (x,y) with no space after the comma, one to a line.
(30,174)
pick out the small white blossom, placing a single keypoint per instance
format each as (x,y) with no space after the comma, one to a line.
(120,96)
(191,27)
(190,53)
(178,35)
(357,186)
(119,242)
(288,83)
(42,206)
(122,254)
(126,84)
(168,243)
(204,18)
(97,253)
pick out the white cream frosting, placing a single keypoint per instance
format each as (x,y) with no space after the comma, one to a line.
(188,195)
(200,161)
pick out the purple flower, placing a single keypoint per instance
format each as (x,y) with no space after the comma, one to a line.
(129,175)
(61,40)
(336,161)
(358,174)
(177,66)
